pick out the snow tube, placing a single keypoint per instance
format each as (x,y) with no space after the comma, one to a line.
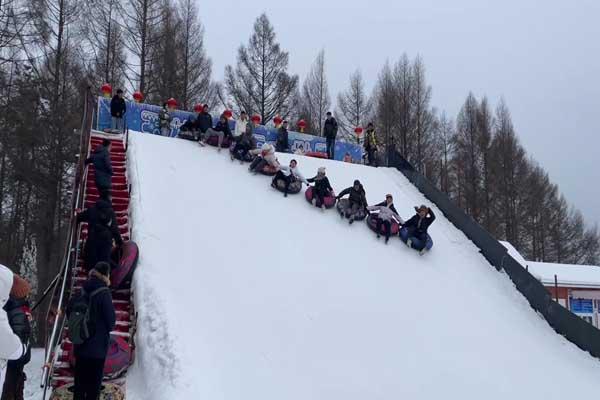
(127,263)
(329,200)
(416,244)
(236,154)
(118,357)
(316,154)
(372,222)
(110,391)
(295,186)
(341,207)
(269,170)
(187,135)
(213,140)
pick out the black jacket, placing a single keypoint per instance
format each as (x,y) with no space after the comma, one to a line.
(102,229)
(321,184)
(356,196)
(330,128)
(188,126)
(117,107)
(384,204)
(103,166)
(282,143)
(223,127)
(420,224)
(204,121)
(102,321)
(19,314)
(370,140)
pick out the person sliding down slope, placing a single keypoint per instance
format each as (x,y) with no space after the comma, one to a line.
(288,175)
(417,226)
(356,202)
(321,189)
(243,144)
(387,212)
(266,156)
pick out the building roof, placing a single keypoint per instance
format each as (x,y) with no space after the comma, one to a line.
(567,275)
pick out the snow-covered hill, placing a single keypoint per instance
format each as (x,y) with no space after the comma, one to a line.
(245,294)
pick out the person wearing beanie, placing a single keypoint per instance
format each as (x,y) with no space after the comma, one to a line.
(11,346)
(91,354)
(19,317)
(321,189)
(356,201)
(419,224)
(102,229)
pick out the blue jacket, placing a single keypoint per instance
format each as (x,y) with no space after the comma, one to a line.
(103,166)
(102,321)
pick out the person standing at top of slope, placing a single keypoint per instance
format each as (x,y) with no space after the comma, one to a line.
(321,189)
(221,130)
(266,156)
(91,354)
(356,201)
(371,145)
(117,111)
(204,121)
(330,129)
(282,144)
(11,346)
(288,175)
(19,317)
(102,167)
(164,119)
(387,212)
(240,126)
(417,226)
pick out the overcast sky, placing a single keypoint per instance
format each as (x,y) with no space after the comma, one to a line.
(543,57)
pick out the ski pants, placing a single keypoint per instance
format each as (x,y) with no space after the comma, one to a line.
(352,209)
(414,233)
(386,224)
(258,164)
(320,194)
(88,378)
(287,179)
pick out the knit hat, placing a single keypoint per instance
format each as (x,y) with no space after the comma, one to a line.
(321,170)
(20,288)
(103,268)
(356,182)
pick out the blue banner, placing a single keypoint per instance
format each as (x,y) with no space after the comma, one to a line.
(144,118)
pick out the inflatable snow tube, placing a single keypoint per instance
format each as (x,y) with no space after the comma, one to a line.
(110,391)
(294,188)
(341,206)
(372,222)
(213,140)
(118,357)
(316,154)
(269,170)
(416,244)
(329,200)
(187,135)
(127,261)
(238,156)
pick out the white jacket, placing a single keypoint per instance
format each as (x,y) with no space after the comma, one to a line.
(386,214)
(287,171)
(240,127)
(268,155)
(11,347)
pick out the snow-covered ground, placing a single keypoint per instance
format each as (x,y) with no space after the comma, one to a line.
(245,294)
(33,370)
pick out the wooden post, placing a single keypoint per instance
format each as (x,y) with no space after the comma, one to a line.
(556,287)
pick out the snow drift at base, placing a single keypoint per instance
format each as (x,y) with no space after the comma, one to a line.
(245,294)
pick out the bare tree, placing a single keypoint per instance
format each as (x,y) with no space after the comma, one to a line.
(354,107)
(260,82)
(315,95)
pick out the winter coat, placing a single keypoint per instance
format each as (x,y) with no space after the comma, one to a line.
(247,140)
(164,118)
(11,347)
(102,321)
(282,143)
(102,165)
(102,229)
(420,224)
(356,196)
(321,183)
(286,170)
(386,212)
(223,127)
(117,107)
(240,127)
(330,128)
(204,121)
(268,156)
(370,140)
(188,126)
(19,316)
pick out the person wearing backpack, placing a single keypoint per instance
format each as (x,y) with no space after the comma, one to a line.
(91,318)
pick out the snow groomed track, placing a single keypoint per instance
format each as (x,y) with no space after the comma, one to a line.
(247,294)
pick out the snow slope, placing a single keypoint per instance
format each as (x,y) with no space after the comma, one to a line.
(33,370)
(243,293)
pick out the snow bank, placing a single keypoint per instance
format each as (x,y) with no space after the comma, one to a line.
(243,293)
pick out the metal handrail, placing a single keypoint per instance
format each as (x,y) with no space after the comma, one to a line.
(51,352)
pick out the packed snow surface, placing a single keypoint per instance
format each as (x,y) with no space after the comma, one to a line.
(245,294)
(33,371)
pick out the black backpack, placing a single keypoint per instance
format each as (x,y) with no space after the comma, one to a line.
(79,316)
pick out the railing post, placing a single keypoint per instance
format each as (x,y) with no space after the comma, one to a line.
(556,287)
